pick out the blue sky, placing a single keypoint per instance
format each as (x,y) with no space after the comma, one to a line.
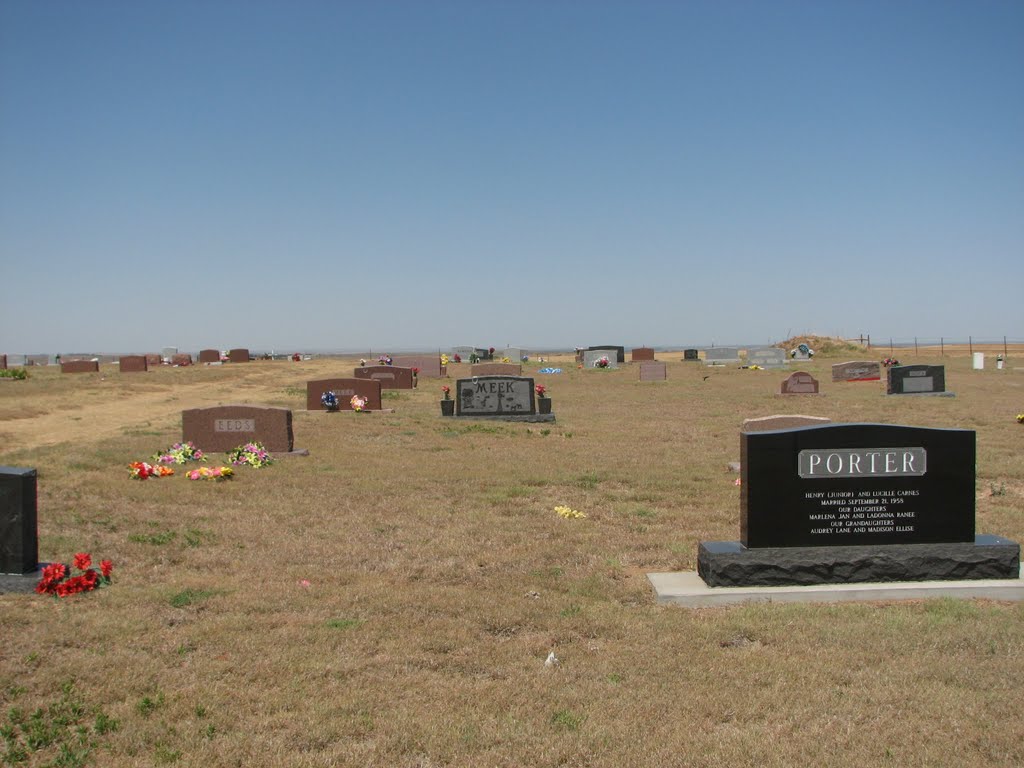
(425,174)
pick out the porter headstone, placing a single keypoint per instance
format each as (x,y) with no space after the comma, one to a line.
(225,427)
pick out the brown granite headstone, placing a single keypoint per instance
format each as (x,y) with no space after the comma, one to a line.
(857,370)
(653,370)
(239,356)
(496,369)
(225,427)
(389,376)
(133,364)
(152,360)
(80,366)
(799,383)
(181,359)
(3,362)
(429,365)
(209,356)
(344,389)
(642,354)
(770,423)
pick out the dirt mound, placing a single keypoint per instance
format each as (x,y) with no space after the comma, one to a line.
(822,345)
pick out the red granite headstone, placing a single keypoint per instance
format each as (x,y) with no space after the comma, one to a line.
(181,359)
(133,364)
(344,389)
(239,356)
(429,365)
(209,356)
(3,362)
(152,360)
(799,383)
(640,354)
(79,366)
(652,370)
(225,427)
(857,370)
(389,376)
(496,369)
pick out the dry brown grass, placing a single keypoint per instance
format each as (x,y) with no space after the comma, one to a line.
(441,579)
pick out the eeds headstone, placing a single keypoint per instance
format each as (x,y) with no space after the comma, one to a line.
(615,354)
(225,427)
(502,397)
(721,355)
(79,366)
(239,356)
(653,371)
(641,354)
(344,389)
(209,356)
(591,356)
(389,376)
(496,369)
(855,503)
(429,365)
(766,357)
(916,380)
(857,370)
(133,364)
(19,541)
(691,355)
(799,383)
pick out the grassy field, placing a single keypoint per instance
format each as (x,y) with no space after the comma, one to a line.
(390,599)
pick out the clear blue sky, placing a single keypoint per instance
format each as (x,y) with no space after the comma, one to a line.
(424,174)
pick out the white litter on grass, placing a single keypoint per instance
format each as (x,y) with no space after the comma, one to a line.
(552,660)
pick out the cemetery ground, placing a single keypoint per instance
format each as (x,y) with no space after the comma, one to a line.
(390,599)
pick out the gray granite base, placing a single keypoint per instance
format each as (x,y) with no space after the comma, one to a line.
(21,582)
(530,417)
(730,564)
(921,394)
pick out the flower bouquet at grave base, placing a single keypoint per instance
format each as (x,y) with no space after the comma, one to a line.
(329,400)
(252,454)
(358,404)
(179,453)
(541,391)
(447,392)
(58,581)
(211,473)
(602,362)
(444,360)
(141,470)
(473,358)
(889,362)
(457,358)
(384,360)
(1020,418)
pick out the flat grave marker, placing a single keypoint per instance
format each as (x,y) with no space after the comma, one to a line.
(653,371)
(225,427)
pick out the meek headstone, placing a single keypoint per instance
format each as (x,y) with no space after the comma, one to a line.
(225,427)
(19,540)
(615,354)
(799,383)
(389,376)
(653,371)
(591,356)
(133,364)
(721,355)
(496,369)
(429,365)
(510,398)
(766,357)
(857,370)
(641,354)
(691,355)
(79,366)
(917,380)
(344,389)
(239,356)
(209,356)
(844,503)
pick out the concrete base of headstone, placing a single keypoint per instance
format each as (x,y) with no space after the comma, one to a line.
(21,582)
(356,413)
(730,564)
(531,417)
(687,589)
(921,394)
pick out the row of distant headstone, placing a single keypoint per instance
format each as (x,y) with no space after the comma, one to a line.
(131,363)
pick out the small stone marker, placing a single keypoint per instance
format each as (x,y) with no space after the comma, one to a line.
(133,364)
(511,398)
(344,389)
(766,357)
(641,354)
(787,421)
(653,371)
(591,356)
(429,365)
(799,383)
(857,370)
(691,355)
(209,356)
(389,376)
(721,355)
(79,366)
(225,427)
(239,356)
(917,380)
(19,542)
(496,369)
(615,354)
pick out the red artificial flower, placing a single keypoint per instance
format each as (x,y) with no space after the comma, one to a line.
(89,580)
(106,566)
(82,561)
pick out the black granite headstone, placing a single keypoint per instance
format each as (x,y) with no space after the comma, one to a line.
(691,354)
(620,352)
(19,541)
(916,379)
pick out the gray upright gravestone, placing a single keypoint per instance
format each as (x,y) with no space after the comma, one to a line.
(507,398)
(19,540)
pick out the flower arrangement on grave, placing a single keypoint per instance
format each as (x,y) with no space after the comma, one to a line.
(447,392)
(362,362)
(602,362)
(474,358)
(179,453)
(541,391)
(444,360)
(754,367)
(19,374)
(329,400)
(457,358)
(506,359)
(1020,418)
(415,372)
(211,473)
(252,454)
(569,513)
(141,470)
(384,360)
(58,580)
(889,362)
(358,403)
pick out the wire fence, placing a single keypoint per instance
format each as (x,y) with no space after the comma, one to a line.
(942,343)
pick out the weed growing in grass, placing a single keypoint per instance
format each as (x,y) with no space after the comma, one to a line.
(565,720)
(149,704)
(189,597)
(157,539)
(588,481)
(344,623)
(997,490)
(391,394)
(295,391)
